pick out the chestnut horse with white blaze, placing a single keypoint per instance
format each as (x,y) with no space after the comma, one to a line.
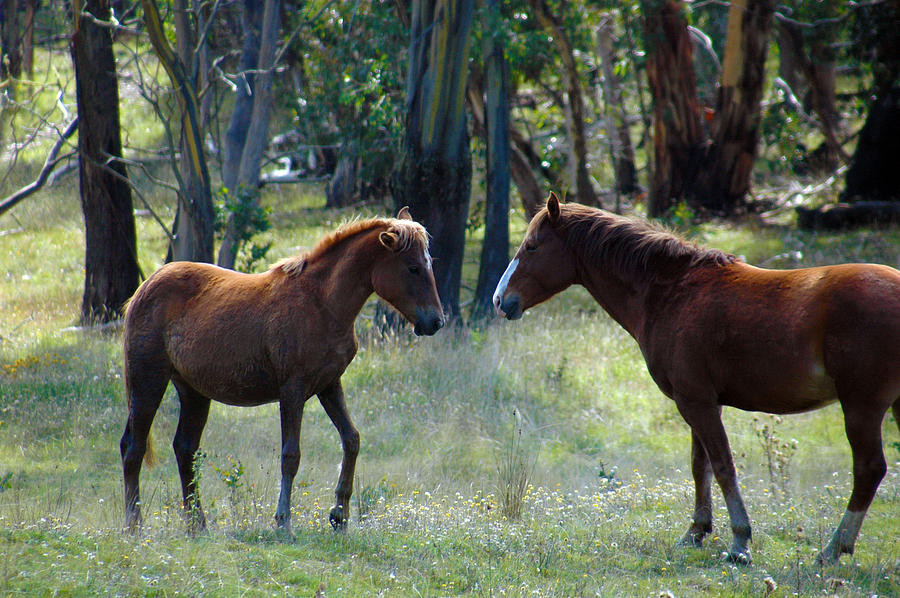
(715,331)
(248,339)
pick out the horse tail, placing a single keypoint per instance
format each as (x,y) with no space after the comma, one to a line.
(150,458)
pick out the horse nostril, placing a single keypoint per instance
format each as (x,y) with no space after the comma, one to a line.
(510,307)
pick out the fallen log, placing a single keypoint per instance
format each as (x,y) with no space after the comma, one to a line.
(848,215)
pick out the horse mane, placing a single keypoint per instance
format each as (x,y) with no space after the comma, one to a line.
(408,234)
(629,244)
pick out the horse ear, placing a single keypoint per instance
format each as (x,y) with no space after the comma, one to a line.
(389,240)
(553,207)
(404,214)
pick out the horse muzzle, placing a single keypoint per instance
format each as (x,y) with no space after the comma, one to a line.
(427,322)
(509,306)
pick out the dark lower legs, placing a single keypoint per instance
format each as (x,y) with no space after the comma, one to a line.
(145,395)
(333,402)
(291,420)
(708,433)
(702,471)
(864,433)
(191,421)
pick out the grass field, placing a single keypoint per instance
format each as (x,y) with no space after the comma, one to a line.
(562,395)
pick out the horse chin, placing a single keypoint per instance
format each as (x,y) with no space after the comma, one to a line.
(427,323)
(421,330)
(516,315)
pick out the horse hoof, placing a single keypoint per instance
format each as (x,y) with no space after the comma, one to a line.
(336,518)
(738,558)
(690,540)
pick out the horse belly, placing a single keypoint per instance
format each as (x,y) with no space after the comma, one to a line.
(780,387)
(230,373)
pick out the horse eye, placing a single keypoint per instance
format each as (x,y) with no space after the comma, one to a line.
(413,269)
(531,248)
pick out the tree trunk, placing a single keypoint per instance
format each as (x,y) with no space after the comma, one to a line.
(194,218)
(520,168)
(434,177)
(495,249)
(111,269)
(873,172)
(616,118)
(10,41)
(677,134)
(257,135)
(724,181)
(28,37)
(343,188)
(817,67)
(584,188)
(236,134)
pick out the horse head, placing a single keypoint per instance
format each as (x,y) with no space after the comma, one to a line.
(404,277)
(542,267)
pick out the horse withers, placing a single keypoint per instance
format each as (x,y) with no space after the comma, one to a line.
(248,339)
(715,331)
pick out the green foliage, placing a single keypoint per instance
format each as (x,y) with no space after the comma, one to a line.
(355,87)
(249,218)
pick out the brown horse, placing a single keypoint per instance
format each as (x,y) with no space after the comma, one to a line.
(249,339)
(715,331)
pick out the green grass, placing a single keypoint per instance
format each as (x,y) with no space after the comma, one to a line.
(609,496)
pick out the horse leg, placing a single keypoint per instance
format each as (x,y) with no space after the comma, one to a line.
(702,471)
(145,388)
(864,433)
(291,418)
(332,400)
(191,421)
(705,420)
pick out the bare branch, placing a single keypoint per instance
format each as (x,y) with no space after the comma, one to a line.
(49,164)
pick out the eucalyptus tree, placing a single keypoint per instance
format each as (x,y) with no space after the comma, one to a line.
(708,169)
(111,268)
(495,248)
(434,176)
(193,237)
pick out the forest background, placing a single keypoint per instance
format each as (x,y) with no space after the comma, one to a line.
(239,132)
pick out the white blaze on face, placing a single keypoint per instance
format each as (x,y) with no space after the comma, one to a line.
(501,286)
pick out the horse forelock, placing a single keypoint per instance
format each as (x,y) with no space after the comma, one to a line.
(408,232)
(629,244)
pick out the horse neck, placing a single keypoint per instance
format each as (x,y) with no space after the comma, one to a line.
(621,298)
(343,275)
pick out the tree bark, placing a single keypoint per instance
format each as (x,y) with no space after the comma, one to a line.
(873,172)
(343,188)
(257,135)
(236,134)
(194,218)
(434,177)
(28,37)
(10,41)
(111,269)
(584,188)
(677,134)
(817,67)
(724,181)
(495,248)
